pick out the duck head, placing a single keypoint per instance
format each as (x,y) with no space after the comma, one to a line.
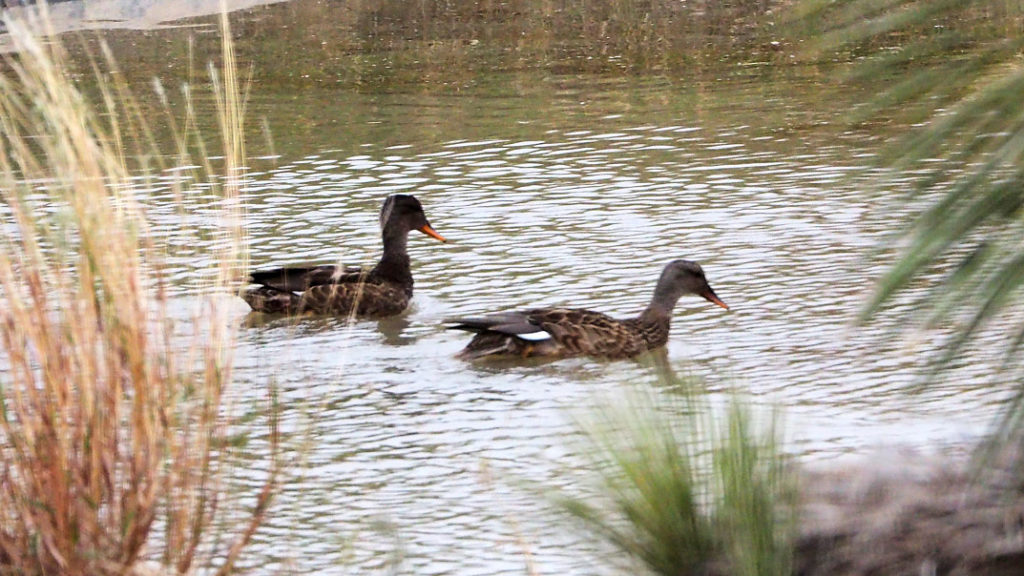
(403,213)
(683,277)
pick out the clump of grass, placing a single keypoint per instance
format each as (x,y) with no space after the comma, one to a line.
(755,495)
(688,493)
(112,432)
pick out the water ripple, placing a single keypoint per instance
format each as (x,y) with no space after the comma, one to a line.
(403,448)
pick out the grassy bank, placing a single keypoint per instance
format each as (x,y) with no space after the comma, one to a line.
(432,46)
(687,489)
(683,488)
(113,433)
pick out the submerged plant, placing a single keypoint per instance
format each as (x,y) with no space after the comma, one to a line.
(685,492)
(112,429)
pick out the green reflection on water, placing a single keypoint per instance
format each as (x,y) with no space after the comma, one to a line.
(340,75)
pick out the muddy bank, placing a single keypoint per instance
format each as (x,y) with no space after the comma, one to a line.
(902,513)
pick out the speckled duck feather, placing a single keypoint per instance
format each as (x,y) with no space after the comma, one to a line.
(561,332)
(383,291)
(574,332)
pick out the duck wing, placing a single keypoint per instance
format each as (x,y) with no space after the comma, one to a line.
(301,278)
(358,298)
(505,334)
(511,323)
(582,332)
(271,301)
(549,332)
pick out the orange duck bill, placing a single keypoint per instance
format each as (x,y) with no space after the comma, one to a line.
(426,229)
(710,296)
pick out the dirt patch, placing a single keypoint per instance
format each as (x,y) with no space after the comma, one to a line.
(903,513)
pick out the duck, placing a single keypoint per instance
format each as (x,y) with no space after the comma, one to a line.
(564,332)
(384,290)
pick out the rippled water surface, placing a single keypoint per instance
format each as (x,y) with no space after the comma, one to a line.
(404,456)
(556,190)
(552,190)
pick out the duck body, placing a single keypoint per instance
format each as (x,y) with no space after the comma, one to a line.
(562,332)
(363,295)
(327,289)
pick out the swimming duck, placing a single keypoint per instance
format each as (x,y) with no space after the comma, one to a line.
(560,332)
(382,291)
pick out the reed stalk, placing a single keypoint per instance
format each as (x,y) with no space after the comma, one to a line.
(112,431)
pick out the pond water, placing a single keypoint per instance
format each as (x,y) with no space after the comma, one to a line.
(564,190)
(553,206)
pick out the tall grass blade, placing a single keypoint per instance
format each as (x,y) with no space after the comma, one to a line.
(110,427)
(686,492)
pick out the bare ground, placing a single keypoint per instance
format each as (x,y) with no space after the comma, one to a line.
(901,513)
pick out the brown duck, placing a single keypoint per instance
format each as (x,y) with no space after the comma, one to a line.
(384,290)
(559,332)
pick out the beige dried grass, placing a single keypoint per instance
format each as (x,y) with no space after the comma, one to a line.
(112,434)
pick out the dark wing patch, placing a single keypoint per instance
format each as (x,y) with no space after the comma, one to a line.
(271,301)
(301,278)
(506,323)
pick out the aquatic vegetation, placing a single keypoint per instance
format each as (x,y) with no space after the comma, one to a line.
(687,491)
(114,435)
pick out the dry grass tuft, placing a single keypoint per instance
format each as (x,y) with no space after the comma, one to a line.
(111,430)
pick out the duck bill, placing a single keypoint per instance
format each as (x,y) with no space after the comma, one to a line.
(710,296)
(426,229)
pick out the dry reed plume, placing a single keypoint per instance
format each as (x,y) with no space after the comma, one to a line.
(111,430)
